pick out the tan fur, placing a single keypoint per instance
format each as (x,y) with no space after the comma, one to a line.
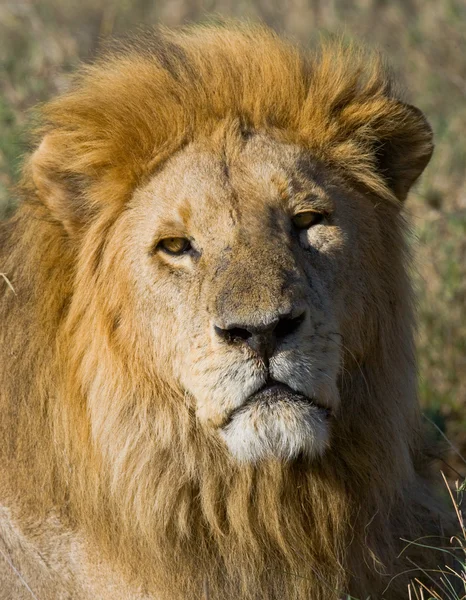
(113,387)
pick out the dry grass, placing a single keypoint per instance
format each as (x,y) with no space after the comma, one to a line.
(452,582)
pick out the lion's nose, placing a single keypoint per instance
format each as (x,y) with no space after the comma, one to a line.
(261,338)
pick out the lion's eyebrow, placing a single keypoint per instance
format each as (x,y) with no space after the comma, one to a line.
(301,192)
(315,200)
(304,187)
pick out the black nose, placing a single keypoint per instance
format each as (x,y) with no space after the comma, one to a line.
(261,338)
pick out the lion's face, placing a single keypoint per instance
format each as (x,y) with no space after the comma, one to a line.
(241,256)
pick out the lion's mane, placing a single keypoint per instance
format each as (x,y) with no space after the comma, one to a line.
(163,502)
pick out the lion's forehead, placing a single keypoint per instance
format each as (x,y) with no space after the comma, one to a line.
(210,188)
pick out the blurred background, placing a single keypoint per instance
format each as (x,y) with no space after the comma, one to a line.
(42,41)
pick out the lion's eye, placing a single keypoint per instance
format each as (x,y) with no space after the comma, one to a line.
(174,245)
(308,218)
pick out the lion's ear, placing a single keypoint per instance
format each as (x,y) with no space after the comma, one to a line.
(59,190)
(403,148)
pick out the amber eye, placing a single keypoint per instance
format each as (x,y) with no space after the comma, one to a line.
(174,245)
(306,219)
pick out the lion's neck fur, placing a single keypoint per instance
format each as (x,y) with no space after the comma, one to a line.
(163,498)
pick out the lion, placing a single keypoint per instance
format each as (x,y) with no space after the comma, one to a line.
(208,382)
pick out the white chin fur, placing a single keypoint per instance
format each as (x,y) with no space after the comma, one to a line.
(282,430)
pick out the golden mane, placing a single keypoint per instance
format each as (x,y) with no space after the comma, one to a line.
(167,504)
(131,109)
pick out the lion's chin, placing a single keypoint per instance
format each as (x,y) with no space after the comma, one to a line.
(277,423)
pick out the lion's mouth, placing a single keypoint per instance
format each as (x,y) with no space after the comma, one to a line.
(273,392)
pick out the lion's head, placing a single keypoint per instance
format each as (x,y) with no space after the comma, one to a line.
(234,374)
